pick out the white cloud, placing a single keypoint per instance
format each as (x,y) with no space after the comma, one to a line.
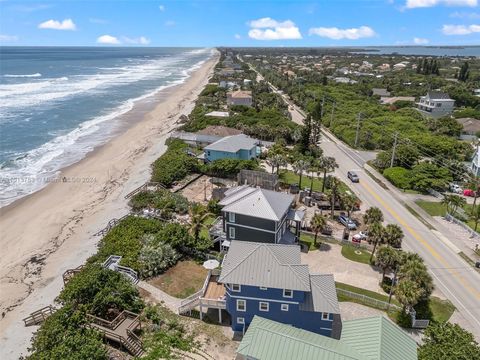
(142,40)
(170,23)
(420,41)
(460,29)
(237,36)
(465,15)
(270,29)
(161,7)
(338,34)
(66,24)
(8,38)
(108,39)
(411,4)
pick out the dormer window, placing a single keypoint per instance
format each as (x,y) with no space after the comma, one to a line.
(287,293)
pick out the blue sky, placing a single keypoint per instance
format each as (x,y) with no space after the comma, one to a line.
(240,23)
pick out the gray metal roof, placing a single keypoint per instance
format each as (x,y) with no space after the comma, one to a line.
(270,340)
(233,143)
(188,136)
(235,193)
(266,265)
(323,295)
(261,203)
(438,95)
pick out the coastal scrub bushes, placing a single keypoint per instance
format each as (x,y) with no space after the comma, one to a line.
(399,176)
(174,165)
(64,335)
(228,168)
(163,200)
(156,257)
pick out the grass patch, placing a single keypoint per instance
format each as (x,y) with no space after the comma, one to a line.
(357,254)
(289,177)
(432,208)
(441,310)
(307,240)
(419,217)
(361,291)
(182,280)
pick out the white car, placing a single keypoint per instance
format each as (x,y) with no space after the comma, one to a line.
(362,235)
(455,188)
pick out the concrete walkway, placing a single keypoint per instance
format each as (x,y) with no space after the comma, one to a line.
(169,301)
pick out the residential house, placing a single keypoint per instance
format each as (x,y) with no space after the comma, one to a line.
(239,97)
(374,338)
(259,215)
(471,126)
(239,147)
(435,104)
(380,92)
(268,280)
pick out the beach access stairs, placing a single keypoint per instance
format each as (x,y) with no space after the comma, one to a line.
(148,186)
(113,263)
(70,273)
(121,330)
(39,316)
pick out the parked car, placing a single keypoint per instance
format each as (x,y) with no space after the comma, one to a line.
(362,235)
(353,177)
(455,188)
(468,192)
(347,222)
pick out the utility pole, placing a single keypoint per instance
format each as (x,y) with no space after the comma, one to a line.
(323,103)
(359,115)
(394,148)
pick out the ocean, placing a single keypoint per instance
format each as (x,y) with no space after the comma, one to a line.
(58,103)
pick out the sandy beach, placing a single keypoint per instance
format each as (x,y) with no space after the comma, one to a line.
(52,230)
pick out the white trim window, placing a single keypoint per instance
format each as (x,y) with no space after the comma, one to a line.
(231,232)
(287,293)
(284,307)
(236,288)
(325,316)
(240,320)
(231,217)
(263,306)
(241,305)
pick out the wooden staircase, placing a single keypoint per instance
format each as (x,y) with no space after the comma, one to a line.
(39,316)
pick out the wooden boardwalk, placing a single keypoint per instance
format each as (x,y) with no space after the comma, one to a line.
(121,330)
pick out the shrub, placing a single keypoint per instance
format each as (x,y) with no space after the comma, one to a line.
(398,176)
(214,208)
(174,165)
(426,176)
(99,291)
(163,200)
(64,336)
(124,240)
(156,257)
(175,235)
(228,167)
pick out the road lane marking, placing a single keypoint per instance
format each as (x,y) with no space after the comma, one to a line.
(422,241)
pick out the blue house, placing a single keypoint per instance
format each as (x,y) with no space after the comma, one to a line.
(268,280)
(239,147)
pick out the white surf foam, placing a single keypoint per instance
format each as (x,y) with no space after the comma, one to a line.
(22,75)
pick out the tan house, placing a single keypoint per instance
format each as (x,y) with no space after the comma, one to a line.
(239,97)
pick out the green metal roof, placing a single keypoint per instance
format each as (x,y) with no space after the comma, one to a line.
(270,340)
(378,338)
(375,338)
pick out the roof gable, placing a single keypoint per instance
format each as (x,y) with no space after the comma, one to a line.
(261,203)
(265,265)
(233,143)
(323,295)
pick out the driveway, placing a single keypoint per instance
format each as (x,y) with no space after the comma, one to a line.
(329,260)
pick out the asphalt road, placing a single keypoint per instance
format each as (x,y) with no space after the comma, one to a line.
(456,279)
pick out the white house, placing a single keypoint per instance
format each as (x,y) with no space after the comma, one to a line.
(475,164)
(436,104)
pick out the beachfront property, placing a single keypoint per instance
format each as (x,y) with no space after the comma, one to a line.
(475,163)
(239,97)
(269,280)
(435,104)
(373,338)
(238,147)
(258,215)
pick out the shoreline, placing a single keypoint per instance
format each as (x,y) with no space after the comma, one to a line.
(51,230)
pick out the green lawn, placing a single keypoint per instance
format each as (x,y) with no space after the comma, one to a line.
(442,310)
(289,177)
(357,254)
(307,239)
(432,208)
(361,291)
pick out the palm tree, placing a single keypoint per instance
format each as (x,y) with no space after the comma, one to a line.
(376,233)
(299,167)
(476,216)
(327,164)
(198,213)
(373,215)
(296,135)
(317,223)
(275,161)
(408,294)
(334,194)
(414,269)
(349,201)
(314,169)
(393,235)
(386,259)
(457,202)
